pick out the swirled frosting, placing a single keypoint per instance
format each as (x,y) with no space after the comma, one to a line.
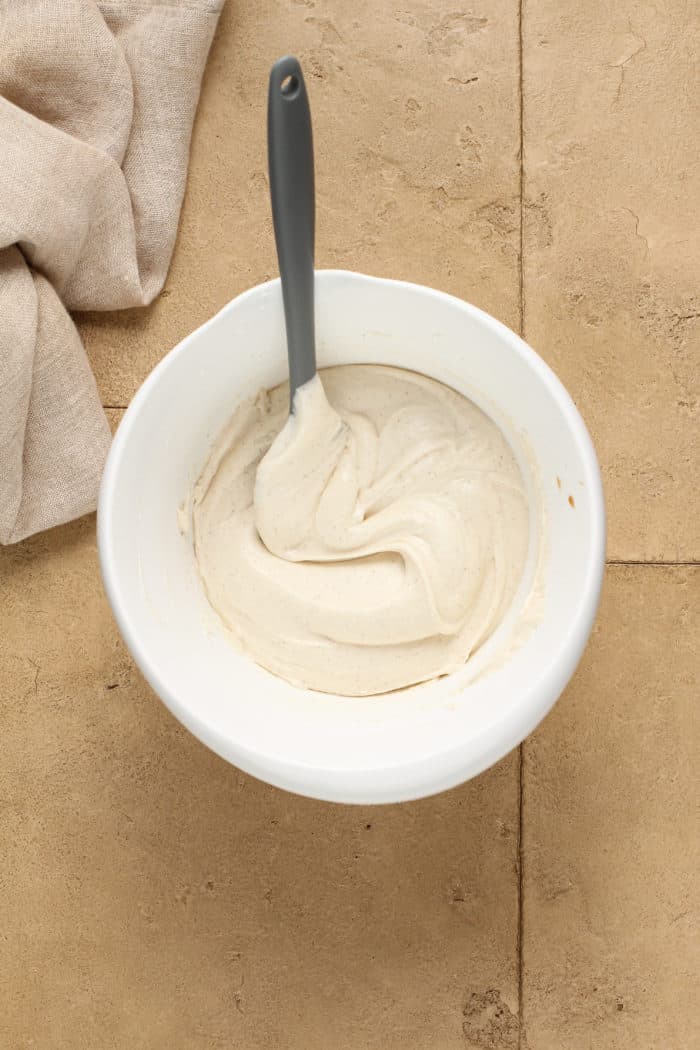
(372,539)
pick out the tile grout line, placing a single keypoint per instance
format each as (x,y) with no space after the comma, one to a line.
(659,564)
(521,754)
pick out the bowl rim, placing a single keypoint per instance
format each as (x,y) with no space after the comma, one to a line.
(415,778)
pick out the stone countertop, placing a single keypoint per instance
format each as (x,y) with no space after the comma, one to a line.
(542,164)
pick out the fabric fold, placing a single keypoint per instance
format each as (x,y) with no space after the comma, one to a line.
(97,102)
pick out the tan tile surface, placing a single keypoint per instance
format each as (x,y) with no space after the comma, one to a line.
(153,897)
(612,831)
(611,256)
(416,122)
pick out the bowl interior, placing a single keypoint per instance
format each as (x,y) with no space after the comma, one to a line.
(400,745)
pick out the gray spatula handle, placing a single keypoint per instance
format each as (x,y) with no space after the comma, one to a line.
(291,163)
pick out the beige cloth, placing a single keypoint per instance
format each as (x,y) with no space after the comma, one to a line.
(96,110)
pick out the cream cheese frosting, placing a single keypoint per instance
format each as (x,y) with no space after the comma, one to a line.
(372,539)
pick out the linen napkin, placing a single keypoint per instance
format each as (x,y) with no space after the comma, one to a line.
(97,102)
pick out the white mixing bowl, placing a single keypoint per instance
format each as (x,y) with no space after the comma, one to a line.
(400,745)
